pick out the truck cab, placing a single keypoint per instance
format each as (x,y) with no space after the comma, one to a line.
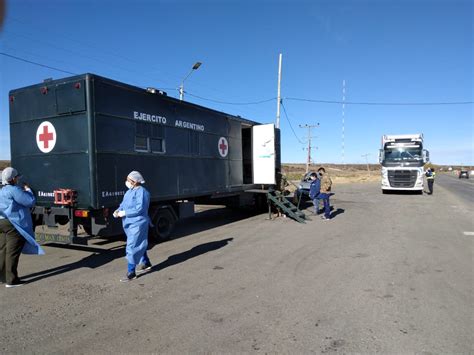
(402,158)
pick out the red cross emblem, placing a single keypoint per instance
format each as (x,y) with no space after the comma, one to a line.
(223,147)
(46,137)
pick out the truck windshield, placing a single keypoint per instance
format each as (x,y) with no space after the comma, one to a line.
(403,154)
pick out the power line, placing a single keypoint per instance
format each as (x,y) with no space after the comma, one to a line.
(57,69)
(164,77)
(40,57)
(273,98)
(289,122)
(36,63)
(82,53)
(231,103)
(381,103)
(69,39)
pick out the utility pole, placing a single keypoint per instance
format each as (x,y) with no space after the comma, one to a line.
(343,120)
(279,93)
(367,161)
(308,161)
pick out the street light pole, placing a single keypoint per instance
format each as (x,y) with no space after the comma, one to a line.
(181,87)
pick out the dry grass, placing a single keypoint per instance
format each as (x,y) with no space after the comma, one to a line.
(340,174)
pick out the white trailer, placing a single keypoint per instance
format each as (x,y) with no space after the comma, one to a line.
(402,158)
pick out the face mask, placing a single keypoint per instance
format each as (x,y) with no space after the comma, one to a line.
(128,184)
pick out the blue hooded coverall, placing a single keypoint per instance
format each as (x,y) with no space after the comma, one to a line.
(15,204)
(135,224)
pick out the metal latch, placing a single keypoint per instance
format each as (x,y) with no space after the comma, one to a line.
(65,197)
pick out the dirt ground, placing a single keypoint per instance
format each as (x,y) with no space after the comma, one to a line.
(340,174)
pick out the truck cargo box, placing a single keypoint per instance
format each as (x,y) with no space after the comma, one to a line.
(86,133)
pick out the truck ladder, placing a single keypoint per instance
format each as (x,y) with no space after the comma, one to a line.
(276,199)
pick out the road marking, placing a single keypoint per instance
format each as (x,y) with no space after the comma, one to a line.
(468,233)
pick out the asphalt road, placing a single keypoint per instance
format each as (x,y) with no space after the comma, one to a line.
(388,274)
(462,188)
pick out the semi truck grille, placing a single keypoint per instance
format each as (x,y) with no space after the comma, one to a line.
(402,178)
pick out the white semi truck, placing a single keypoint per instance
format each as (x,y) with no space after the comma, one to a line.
(402,158)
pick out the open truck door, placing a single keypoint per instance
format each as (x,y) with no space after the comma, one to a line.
(263,154)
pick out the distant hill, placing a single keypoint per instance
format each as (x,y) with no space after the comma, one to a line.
(4,164)
(296,170)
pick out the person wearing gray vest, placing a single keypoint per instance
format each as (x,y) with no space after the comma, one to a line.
(430,176)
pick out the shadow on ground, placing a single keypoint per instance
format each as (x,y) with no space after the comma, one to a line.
(101,257)
(191,253)
(210,219)
(337,212)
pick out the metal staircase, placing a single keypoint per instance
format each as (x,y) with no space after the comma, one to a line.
(276,199)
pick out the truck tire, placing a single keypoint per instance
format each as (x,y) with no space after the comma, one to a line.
(62,220)
(163,225)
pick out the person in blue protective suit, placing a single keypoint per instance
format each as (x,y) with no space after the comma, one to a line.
(314,192)
(16,227)
(134,213)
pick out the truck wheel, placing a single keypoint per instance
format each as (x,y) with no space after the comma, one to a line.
(163,225)
(62,220)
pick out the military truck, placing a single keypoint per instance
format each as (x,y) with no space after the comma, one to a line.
(74,140)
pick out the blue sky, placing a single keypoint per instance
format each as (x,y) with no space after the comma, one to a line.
(415,51)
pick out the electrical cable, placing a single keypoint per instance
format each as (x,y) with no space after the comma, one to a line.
(35,63)
(81,53)
(164,77)
(273,98)
(61,70)
(289,122)
(381,103)
(230,103)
